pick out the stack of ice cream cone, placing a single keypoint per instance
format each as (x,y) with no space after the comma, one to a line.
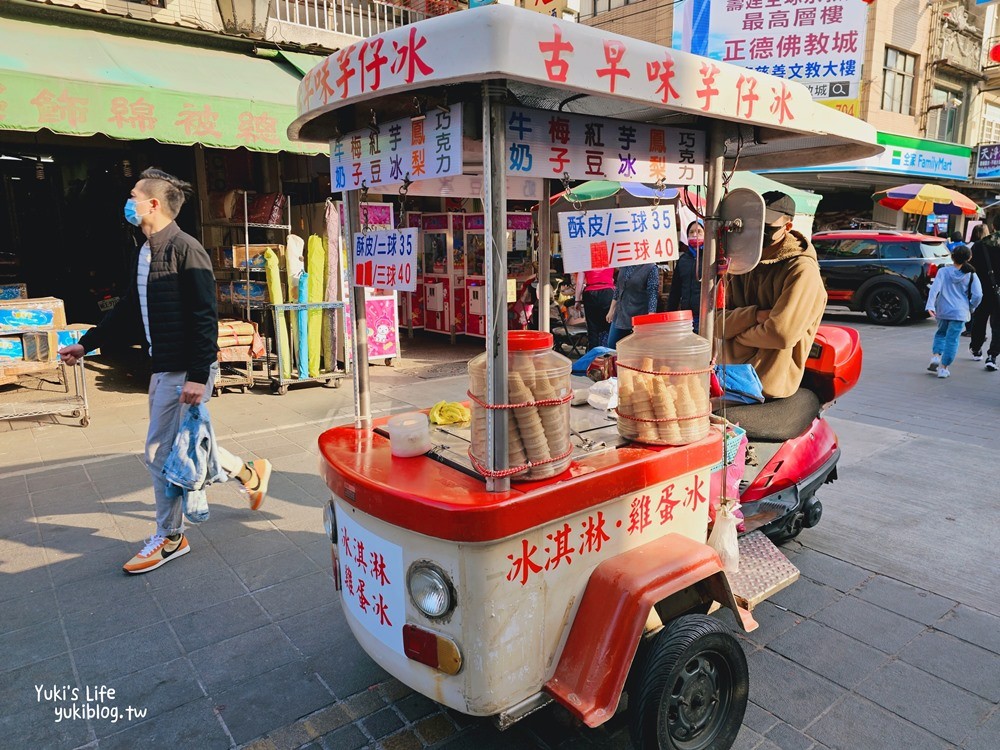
(676,406)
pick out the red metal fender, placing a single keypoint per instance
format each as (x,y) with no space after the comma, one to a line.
(605,634)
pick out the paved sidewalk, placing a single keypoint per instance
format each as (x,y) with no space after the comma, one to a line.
(890,640)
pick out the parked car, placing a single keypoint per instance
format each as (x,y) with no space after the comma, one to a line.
(884,273)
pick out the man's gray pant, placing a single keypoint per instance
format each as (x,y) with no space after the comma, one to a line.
(165,416)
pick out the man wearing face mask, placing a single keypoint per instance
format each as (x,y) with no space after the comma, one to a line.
(173,295)
(773,312)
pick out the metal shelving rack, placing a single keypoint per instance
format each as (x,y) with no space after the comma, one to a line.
(249,275)
(279,385)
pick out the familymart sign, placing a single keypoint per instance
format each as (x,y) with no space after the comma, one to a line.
(914,157)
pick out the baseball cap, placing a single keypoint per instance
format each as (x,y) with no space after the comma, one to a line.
(777,205)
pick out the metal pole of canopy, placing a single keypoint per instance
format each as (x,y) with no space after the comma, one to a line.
(495,205)
(544,257)
(713,225)
(362,392)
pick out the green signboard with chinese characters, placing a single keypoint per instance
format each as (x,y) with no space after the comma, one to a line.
(82,83)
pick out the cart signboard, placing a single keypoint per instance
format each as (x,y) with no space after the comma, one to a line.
(386,259)
(419,147)
(592,240)
(371,575)
(555,144)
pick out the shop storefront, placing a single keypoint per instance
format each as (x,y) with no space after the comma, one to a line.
(83,111)
(847,187)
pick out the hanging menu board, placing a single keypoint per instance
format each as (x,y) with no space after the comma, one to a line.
(552,144)
(420,148)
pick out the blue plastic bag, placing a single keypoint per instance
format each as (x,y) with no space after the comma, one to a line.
(740,384)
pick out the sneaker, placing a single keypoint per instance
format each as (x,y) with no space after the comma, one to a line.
(991,362)
(942,372)
(977,355)
(158,550)
(262,469)
(935,363)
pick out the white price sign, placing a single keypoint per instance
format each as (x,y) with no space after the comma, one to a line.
(592,240)
(386,260)
(371,580)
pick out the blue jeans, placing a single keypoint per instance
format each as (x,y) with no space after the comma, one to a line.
(616,334)
(946,339)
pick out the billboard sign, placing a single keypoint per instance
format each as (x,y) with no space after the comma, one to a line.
(988,162)
(820,45)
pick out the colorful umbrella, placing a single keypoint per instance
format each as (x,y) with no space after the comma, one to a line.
(925,199)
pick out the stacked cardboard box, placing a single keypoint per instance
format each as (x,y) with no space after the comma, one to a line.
(13,291)
(33,331)
(242,256)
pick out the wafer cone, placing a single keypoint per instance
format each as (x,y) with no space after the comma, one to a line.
(553,417)
(663,405)
(529,421)
(643,407)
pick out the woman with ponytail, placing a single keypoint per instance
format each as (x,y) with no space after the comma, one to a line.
(955,293)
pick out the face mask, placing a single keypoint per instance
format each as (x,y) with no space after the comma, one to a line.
(131,216)
(695,243)
(769,236)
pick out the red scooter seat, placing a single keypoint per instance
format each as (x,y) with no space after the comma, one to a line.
(778,420)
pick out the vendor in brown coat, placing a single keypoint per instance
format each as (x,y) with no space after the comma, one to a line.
(773,312)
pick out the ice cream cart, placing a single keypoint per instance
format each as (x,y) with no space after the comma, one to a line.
(490,594)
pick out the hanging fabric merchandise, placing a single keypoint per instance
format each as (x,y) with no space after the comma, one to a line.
(316,266)
(281,321)
(294,265)
(332,242)
(303,326)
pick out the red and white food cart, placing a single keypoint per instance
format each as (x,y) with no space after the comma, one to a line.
(495,597)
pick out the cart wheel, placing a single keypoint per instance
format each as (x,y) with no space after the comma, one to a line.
(275,386)
(282,390)
(693,689)
(245,389)
(85,422)
(216,392)
(76,413)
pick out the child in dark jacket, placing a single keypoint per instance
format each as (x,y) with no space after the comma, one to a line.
(955,293)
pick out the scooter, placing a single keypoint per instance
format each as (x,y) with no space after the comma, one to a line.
(793,450)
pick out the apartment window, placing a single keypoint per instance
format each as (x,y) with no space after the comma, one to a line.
(944,115)
(991,124)
(897,81)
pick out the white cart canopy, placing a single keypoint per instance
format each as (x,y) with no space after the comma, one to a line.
(552,64)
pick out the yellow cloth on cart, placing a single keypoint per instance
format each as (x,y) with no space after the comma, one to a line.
(281,324)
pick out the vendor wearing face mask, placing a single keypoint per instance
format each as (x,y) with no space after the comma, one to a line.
(772,313)
(685,286)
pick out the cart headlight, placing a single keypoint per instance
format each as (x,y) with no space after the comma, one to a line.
(329,524)
(429,590)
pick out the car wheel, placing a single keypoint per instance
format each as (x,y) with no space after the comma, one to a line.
(887,305)
(693,689)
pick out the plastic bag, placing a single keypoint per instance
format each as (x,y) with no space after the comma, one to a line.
(723,537)
(603,395)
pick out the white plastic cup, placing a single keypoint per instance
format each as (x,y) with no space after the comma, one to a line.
(409,434)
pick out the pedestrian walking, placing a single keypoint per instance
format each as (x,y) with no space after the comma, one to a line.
(986,259)
(955,293)
(172,293)
(637,292)
(685,286)
(596,290)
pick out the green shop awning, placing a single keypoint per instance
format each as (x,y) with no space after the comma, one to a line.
(83,82)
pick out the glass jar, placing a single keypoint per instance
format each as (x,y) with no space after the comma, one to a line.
(538,437)
(663,381)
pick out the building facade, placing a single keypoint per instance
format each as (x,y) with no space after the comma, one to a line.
(928,85)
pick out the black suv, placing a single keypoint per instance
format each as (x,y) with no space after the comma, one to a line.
(887,274)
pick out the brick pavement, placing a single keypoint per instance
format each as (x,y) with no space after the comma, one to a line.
(889,640)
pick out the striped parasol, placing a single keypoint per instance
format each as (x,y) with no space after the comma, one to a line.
(924,199)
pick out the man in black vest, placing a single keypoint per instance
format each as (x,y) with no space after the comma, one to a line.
(986,260)
(173,294)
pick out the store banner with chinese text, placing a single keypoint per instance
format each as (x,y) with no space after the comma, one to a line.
(988,162)
(554,144)
(592,240)
(818,44)
(417,148)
